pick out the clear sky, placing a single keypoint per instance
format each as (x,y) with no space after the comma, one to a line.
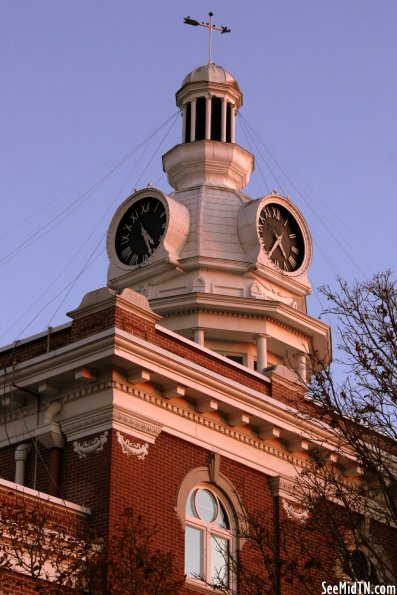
(85,82)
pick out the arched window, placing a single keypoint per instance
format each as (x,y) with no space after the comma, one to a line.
(208,537)
(360,567)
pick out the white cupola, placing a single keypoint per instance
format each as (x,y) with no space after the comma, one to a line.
(202,255)
(209,99)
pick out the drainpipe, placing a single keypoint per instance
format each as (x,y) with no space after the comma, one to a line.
(275,487)
(276,524)
(21,455)
(50,435)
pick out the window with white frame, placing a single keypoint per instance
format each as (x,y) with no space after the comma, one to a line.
(359,566)
(208,538)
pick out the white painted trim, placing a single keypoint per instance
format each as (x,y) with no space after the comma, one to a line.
(45,497)
(230,392)
(175,369)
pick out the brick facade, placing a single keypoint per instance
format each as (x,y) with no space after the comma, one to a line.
(107,481)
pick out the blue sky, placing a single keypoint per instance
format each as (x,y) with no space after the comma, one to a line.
(85,82)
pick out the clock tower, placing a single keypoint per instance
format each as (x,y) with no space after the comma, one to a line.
(176,391)
(219,267)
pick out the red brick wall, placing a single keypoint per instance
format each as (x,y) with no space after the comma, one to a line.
(108,481)
(56,515)
(115,316)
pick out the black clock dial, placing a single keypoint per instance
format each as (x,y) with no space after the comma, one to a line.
(140,231)
(281,237)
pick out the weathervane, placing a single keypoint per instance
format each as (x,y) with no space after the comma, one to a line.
(210,26)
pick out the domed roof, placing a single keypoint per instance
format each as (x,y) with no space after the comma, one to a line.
(210,72)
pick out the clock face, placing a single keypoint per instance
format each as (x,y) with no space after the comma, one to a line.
(140,231)
(281,237)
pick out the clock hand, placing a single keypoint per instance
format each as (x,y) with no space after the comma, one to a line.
(148,240)
(276,243)
(280,237)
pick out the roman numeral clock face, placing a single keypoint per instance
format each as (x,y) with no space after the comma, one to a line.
(281,237)
(140,231)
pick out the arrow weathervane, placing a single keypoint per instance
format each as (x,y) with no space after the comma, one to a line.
(210,26)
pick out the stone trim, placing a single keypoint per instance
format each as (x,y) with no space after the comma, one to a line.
(9,485)
(111,417)
(201,475)
(89,447)
(295,513)
(228,431)
(140,451)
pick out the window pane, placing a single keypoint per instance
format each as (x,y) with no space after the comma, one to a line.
(189,504)
(194,549)
(239,359)
(360,565)
(206,504)
(222,520)
(220,560)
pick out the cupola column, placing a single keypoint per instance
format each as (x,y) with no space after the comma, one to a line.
(232,123)
(301,366)
(208,98)
(224,118)
(208,105)
(193,120)
(261,352)
(198,335)
(184,123)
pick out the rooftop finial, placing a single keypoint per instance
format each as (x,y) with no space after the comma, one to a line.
(210,26)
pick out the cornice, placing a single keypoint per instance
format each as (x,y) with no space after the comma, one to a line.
(133,423)
(168,367)
(234,268)
(247,306)
(214,425)
(242,315)
(111,417)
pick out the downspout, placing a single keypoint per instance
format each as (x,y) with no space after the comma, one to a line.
(21,455)
(275,487)
(276,543)
(55,451)
(37,396)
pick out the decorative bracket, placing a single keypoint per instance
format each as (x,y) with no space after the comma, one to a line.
(295,513)
(95,445)
(129,448)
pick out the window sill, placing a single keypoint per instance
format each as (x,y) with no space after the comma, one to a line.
(200,586)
